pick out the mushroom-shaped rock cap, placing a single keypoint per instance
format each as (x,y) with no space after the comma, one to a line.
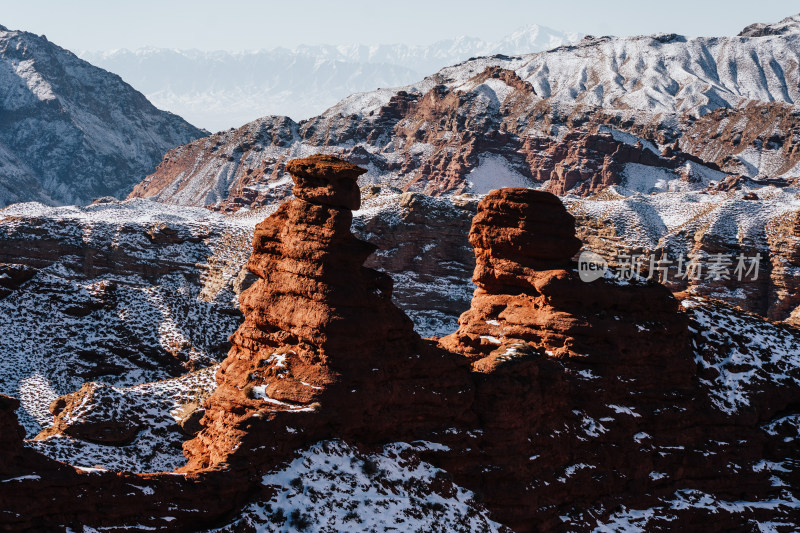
(518,230)
(326,180)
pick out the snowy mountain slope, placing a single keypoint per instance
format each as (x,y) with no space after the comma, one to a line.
(218,90)
(71,132)
(554,118)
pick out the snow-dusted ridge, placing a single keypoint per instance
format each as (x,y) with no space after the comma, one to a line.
(657,74)
(686,97)
(786,26)
(154,406)
(71,131)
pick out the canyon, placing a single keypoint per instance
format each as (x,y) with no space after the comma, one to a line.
(583,418)
(377,319)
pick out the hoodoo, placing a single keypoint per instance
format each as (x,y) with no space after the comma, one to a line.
(529,292)
(562,403)
(588,390)
(322,348)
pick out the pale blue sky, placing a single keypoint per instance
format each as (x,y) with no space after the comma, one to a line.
(248,24)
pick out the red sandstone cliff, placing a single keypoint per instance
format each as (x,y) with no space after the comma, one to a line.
(563,403)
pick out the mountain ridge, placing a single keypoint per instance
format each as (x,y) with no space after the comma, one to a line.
(707,103)
(785,26)
(71,131)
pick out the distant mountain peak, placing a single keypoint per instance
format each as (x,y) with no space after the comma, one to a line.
(533,38)
(219,89)
(787,26)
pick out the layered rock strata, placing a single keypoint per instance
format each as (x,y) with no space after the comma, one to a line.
(550,353)
(754,242)
(322,345)
(527,290)
(563,403)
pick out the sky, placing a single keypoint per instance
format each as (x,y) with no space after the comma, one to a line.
(248,24)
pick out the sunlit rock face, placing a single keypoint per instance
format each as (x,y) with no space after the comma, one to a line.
(322,345)
(563,404)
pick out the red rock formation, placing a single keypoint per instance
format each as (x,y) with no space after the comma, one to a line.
(585,162)
(322,345)
(534,329)
(517,232)
(527,291)
(326,180)
(582,389)
(559,401)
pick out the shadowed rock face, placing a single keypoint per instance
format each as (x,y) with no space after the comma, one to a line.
(550,352)
(519,231)
(12,434)
(560,402)
(322,345)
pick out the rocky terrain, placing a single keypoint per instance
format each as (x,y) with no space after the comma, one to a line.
(658,113)
(95,315)
(555,404)
(754,224)
(404,337)
(122,294)
(422,244)
(72,132)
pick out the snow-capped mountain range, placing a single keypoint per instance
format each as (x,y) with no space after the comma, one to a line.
(71,132)
(222,89)
(572,119)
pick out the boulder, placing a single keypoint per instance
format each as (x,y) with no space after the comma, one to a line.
(97,412)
